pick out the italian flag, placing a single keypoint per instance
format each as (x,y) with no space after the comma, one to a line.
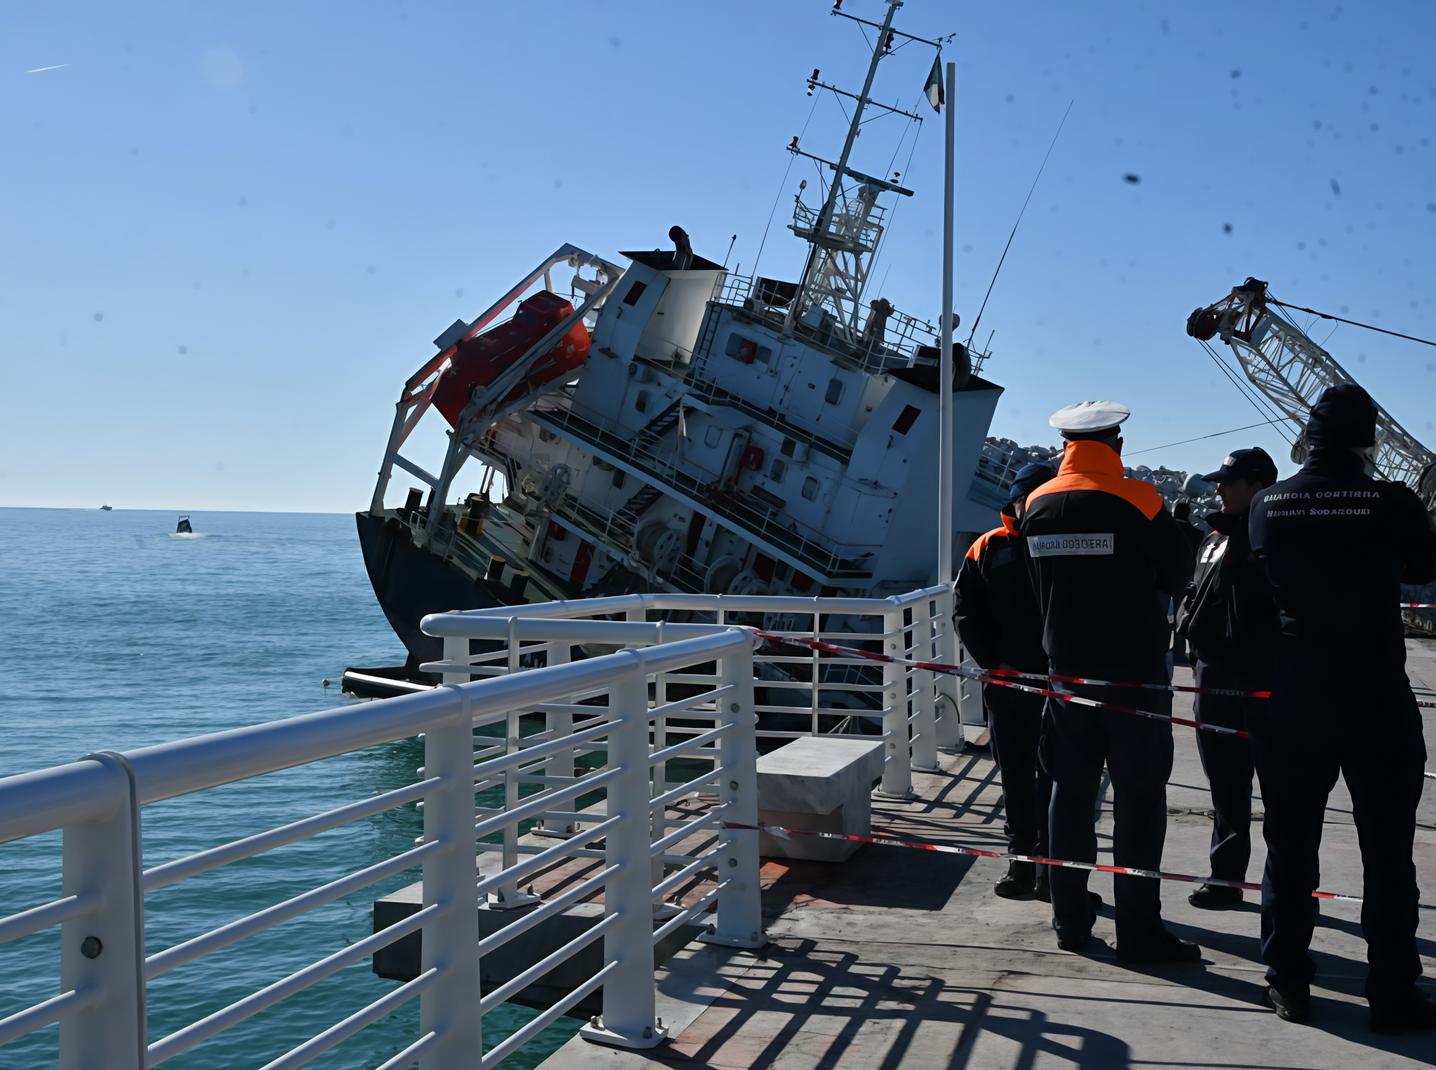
(933,89)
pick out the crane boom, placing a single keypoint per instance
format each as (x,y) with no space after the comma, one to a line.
(1291,371)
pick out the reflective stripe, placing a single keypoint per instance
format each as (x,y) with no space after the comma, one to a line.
(1075,544)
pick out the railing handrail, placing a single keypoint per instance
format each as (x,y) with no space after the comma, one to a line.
(47,798)
(733,603)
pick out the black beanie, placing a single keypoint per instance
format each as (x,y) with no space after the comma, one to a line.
(1344,416)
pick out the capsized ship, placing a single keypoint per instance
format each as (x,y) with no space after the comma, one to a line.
(665,424)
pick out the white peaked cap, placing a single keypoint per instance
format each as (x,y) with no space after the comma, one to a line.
(1086,417)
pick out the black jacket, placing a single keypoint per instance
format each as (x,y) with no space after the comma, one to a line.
(1337,545)
(1101,550)
(1228,614)
(996,612)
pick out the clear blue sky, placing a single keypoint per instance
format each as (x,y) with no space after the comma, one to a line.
(230,230)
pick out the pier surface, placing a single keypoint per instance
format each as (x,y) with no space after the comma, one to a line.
(903,958)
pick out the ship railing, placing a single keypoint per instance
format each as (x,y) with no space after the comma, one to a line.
(812,548)
(113,996)
(803,690)
(997,465)
(905,340)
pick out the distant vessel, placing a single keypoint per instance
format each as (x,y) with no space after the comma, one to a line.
(673,425)
(183,527)
(106,508)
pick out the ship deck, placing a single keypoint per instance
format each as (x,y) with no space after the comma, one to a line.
(903,958)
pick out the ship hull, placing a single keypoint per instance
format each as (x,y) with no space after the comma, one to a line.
(411,583)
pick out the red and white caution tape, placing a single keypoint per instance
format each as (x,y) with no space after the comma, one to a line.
(1418,605)
(1058,678)
(1083,700)
(986,677)
(1009,678)
(975,852)
(998,676)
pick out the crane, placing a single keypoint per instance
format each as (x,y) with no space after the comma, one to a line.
(1291,371)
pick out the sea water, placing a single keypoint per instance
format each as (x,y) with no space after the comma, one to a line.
(116,633)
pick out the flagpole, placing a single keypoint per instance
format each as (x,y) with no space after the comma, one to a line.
(945,411)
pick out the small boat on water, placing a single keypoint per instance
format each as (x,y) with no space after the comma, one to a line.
(183,527)
(106,508)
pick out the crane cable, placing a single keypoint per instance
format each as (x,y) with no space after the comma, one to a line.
(1199,438)
(1355,323)
(1264,408)
(1000,260)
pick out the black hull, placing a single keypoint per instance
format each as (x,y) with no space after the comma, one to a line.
(411,583)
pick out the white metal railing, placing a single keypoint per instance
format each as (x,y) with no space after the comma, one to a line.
(98,806)
(804,691)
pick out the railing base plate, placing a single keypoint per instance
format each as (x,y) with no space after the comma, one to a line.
(748,943)
(595,1033)
(512,902)
(894,796)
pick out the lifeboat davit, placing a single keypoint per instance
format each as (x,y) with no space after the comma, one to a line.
(481,359)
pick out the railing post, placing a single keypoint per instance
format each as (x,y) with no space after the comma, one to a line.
(558,725)
(969,702)
(658,772)
(450,943)
(507,895)
(740,905)
(924,754)
(945,650)
(103,949)
(629,1018)
(897,764)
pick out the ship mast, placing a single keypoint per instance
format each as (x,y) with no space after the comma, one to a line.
(844,233)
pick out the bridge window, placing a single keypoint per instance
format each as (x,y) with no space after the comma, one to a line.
(903,424)
(746,350)
(835,392)
(777,470)
(810,488)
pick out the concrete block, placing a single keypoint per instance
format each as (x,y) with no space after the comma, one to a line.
(818,783)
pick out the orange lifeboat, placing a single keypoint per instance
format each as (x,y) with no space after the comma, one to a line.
(480,360)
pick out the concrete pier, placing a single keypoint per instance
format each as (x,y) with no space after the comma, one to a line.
(902,958)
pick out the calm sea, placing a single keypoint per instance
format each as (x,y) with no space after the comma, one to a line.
(117,633)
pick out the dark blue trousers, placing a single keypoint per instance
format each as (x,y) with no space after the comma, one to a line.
(1076,742)
(1227,762)
(1300,754)
(1016,722)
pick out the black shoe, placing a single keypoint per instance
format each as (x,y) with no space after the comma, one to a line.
(1166,948)
(1409,1016)
(1072,939)
(1018,883)
(1292,1003)
(1215,897)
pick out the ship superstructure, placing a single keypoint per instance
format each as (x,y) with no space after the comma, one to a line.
(671,425)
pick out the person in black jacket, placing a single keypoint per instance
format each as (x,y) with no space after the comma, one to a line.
(998,623)
(1228,620)
(1105,556)
(1337,544)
